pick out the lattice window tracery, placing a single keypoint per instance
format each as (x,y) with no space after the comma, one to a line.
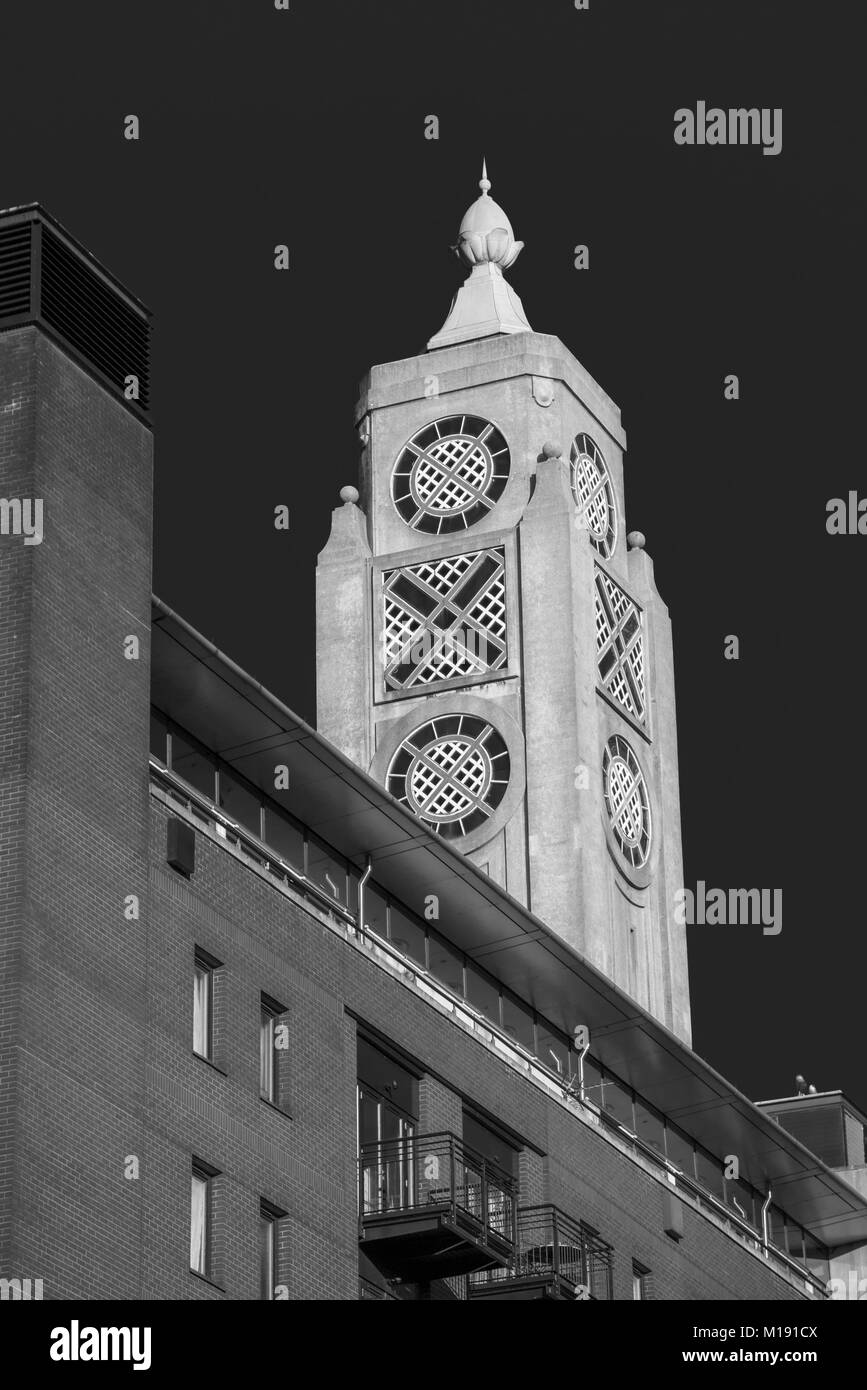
(593,493)
(627,801)
(444,619)
(450,474)
(452,773)
(620,646)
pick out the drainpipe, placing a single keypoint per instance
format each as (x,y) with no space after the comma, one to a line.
(361,882)
(765,1205)
(583,1053)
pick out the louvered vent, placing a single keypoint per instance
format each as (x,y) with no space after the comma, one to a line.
(820,1129)
(91,317)
(14,270)
(46,278)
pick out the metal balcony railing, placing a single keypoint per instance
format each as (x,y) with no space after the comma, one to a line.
(369,1292)
(554,1254)
(437,1175)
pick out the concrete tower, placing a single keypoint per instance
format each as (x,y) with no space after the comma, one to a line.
(491,644)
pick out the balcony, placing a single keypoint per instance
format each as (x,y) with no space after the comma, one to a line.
(430,1208)
(555,1258)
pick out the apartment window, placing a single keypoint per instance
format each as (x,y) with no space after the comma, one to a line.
(794,1240)
(375,911)
(709,1172)
(742,1199)
(777,1228)
(640,1282)
(284,836)
(201,1219)
(446,964)
(816,1257)
(203,1006)
(649,1126)
(269,1228)
(618,1101)
(194,763)
(240,802)
(326,870)
(592,1080)
(270,1049)
(680,1150)
(159,736)
(518,1022)
(490,1144)
(483,993)
(266,1052)
(552,1049)
(408,937)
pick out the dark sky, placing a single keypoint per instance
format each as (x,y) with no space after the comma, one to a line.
(261,127)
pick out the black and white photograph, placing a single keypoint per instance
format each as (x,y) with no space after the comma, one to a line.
(432,535)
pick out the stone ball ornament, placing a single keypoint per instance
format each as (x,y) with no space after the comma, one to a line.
(636,540)
(349,494)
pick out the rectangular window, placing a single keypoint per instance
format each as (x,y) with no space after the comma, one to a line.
(390,1091)
(203,1006)
(272,1049)
(777,1227)
(200,1220)
(483,993)
(484,1140)
(742,1200)
(446,964)
(407,936)
(680,1150)
(553,1049)
(618,1101)
(795,1240)
(649,1126)
(241,803)
(640,1282)
(709,1172)
(592,1081)
(326,870)
(194,764)
(267,1069)
(375,911)
(159,743)
(284,837)
(518,1022)
(267,1252)
(816,1258)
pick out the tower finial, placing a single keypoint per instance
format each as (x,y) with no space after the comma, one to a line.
(485,304)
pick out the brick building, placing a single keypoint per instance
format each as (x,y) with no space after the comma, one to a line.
(269,1029)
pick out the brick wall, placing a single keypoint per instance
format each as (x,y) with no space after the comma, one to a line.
(73,715)
(306,1164)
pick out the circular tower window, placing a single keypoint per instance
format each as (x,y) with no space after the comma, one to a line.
(451,772)
(450,474)
(627,801)
(593,493)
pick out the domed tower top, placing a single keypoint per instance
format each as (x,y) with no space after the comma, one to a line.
(485,304)
(486,232)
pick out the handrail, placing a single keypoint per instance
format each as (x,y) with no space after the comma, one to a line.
(552,1245)
(258,848)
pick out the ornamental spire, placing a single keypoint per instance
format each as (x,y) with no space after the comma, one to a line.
(485,304)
